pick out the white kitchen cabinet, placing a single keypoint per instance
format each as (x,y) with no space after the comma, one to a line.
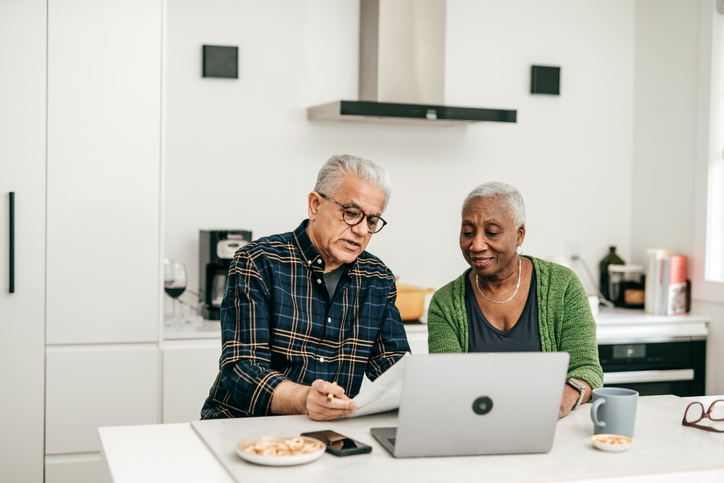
(104,145)
(189,371)
(103,226)
(92,386)
(73,468)
(22,172)
(80,133)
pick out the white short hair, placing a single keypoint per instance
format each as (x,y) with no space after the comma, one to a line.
(496,189)
(332,174)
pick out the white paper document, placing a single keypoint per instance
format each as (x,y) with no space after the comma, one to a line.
(384,392)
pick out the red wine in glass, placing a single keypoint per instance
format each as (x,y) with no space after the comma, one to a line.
(174,292)
(174,284)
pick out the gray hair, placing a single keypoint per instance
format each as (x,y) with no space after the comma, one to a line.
(337,167)
(510,195)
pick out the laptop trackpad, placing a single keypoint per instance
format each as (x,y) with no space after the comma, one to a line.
(386,437)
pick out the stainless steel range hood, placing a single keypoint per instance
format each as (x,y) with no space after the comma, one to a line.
(401,69)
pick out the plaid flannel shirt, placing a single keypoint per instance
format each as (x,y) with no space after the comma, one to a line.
(279,324)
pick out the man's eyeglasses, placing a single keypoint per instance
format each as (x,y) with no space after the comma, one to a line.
(695,413)
(354,216)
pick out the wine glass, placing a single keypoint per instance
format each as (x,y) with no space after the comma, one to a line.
(174,283)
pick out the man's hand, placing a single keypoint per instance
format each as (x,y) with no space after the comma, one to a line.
(292,398)
(338,406)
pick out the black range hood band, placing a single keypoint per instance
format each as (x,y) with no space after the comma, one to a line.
(395,112)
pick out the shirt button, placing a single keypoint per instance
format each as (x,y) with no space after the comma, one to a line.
(329,319)
(319,261)
(321,359)
(319,281)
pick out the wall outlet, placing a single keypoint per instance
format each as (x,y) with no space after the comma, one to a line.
(573,249)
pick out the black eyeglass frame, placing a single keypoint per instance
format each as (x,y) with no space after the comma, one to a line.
(364,215)
(704,415)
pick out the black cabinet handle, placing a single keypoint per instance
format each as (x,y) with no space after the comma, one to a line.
(12,242)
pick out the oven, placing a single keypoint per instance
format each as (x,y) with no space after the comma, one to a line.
(673,366)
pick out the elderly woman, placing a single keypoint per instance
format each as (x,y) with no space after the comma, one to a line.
(509,302)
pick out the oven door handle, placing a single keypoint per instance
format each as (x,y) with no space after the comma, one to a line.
(648,376)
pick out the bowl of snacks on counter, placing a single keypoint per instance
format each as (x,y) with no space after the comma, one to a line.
(280,450)
(611,442)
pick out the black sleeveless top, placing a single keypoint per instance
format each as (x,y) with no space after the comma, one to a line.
(524,336)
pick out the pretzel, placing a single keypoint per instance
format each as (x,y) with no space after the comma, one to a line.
(610,439)
(289,447)
(295,444)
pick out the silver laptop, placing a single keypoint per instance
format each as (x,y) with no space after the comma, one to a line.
(477,404)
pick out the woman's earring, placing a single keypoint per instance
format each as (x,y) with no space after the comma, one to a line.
(519,250)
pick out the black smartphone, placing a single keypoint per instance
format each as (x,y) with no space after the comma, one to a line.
(338,444)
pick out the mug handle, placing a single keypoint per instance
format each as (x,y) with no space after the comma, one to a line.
(594,412)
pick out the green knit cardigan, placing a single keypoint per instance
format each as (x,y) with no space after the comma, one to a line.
(564,317)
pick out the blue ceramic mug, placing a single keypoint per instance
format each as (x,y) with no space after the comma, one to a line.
(614,411)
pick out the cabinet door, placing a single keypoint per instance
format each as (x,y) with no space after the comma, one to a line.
(189,371)
(104,144)
(22,171)
(94,386)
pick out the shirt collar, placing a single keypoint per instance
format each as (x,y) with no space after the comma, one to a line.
(311,256)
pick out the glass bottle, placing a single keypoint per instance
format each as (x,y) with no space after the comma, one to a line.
(611,259)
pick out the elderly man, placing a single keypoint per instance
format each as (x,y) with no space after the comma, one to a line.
(306,314)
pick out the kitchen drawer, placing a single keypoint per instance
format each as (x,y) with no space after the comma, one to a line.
(92,386)
(73,468)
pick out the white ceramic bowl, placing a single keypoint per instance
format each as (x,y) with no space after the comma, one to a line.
(284,460)
(611,442)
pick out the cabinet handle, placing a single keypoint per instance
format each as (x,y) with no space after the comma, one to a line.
(11,265)
(631,377)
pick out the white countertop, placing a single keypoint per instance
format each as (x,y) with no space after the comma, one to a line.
(174,452)
(204,329)
(614,325)
(622,326)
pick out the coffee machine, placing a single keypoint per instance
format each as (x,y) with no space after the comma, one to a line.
(216,250)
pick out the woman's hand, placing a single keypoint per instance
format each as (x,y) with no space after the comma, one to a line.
(570,398)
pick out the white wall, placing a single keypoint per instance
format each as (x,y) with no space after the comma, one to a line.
(665,125)
(241,154)
(671,147)
(714,345)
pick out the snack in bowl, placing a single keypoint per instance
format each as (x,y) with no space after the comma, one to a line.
(611,442)
(280,450)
